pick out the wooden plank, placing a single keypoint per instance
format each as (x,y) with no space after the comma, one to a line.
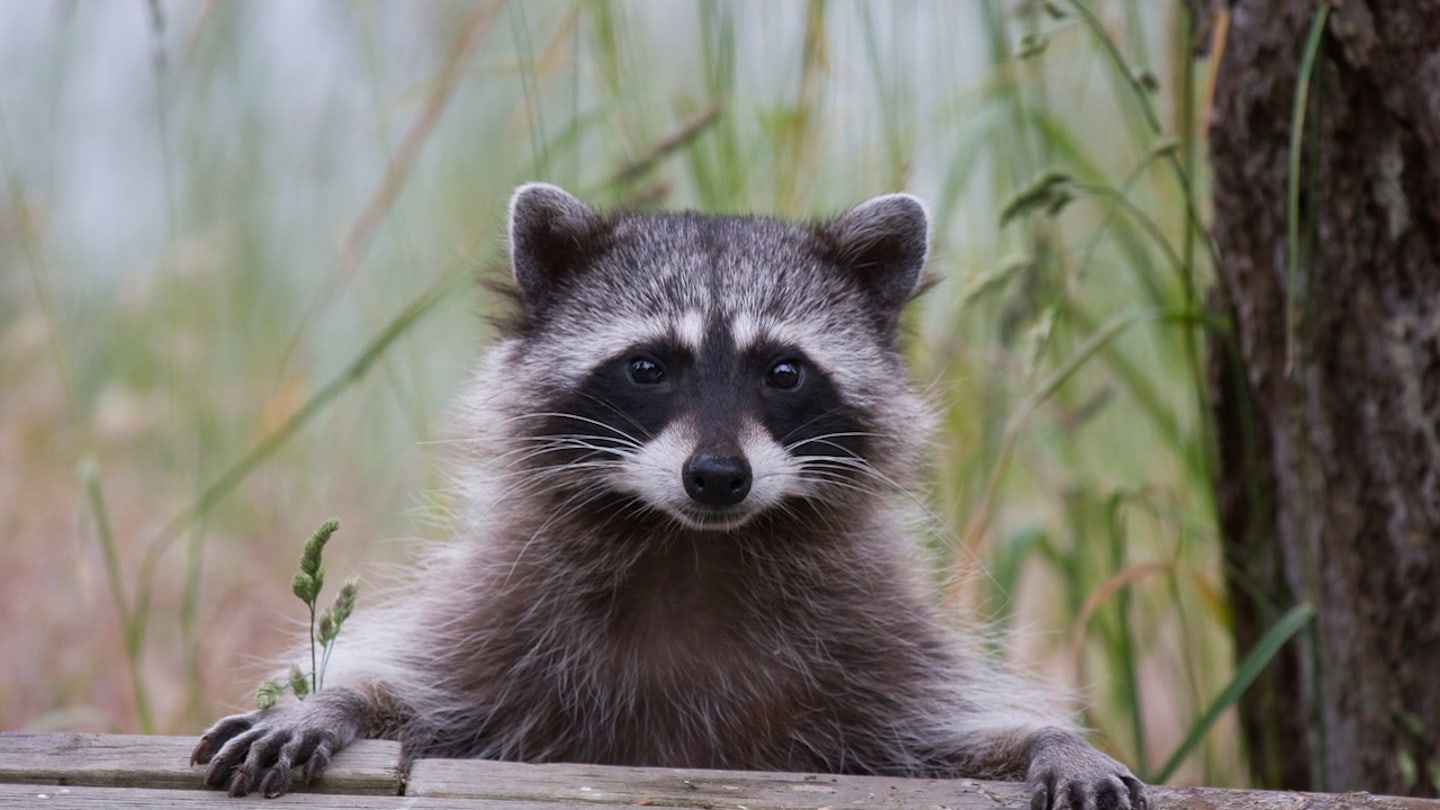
(370,767)
(90,771)
(1204,798)
(734,790)
(592,785)
(47,797)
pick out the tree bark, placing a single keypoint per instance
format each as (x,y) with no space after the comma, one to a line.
(1328,425)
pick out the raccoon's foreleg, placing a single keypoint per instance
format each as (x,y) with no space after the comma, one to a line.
(260,750)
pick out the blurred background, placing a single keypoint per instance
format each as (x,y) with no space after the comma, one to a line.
(237,251)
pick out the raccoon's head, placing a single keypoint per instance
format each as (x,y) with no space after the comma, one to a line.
(708,369)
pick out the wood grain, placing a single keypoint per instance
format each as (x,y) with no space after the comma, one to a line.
(85,771)
(43,797)
(663,787)
(590,785)
(366,767)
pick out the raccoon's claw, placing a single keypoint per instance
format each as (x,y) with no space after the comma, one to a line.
(1112,792)
(265,759)
(218,735)
(266,750)
(1067,774)
(227,765)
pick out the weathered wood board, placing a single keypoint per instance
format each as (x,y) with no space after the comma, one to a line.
(43,797)
(594,784)
(368,767)
(581,785)
(88,771)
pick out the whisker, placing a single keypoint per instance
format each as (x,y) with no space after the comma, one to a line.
(812,420)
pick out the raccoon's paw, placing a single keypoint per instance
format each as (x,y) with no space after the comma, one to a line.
(1067,774)
(265,750)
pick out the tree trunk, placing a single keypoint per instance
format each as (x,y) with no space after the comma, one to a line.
(1328,423)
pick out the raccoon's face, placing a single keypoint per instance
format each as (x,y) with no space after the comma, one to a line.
(710,368)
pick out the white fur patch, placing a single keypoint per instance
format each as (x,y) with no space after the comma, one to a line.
(655,474)
(744,331)
(775,475)
(604,340)
(690,330)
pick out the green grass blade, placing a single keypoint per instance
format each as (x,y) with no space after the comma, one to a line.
(1132,78)
(1245,674)
(1292,190)
(26,226)
(1124,659)
(130,622)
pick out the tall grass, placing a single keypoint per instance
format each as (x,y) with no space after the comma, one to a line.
(272,334)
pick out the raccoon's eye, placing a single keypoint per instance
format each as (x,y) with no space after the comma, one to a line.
(784,375)
(644,371)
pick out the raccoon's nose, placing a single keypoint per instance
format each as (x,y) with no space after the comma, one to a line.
(717,480)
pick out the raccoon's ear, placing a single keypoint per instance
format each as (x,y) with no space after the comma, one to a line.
(550,232)
(882,243)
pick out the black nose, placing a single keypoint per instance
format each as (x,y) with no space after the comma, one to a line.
(717,480)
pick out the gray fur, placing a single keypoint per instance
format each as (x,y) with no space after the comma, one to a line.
(586,615)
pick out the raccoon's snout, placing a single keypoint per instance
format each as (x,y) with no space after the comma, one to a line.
(716,480)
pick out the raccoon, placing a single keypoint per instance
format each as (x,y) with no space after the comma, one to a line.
(685,542)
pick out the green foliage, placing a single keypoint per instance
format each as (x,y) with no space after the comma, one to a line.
(308,297)
(324,626)
(308,581)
